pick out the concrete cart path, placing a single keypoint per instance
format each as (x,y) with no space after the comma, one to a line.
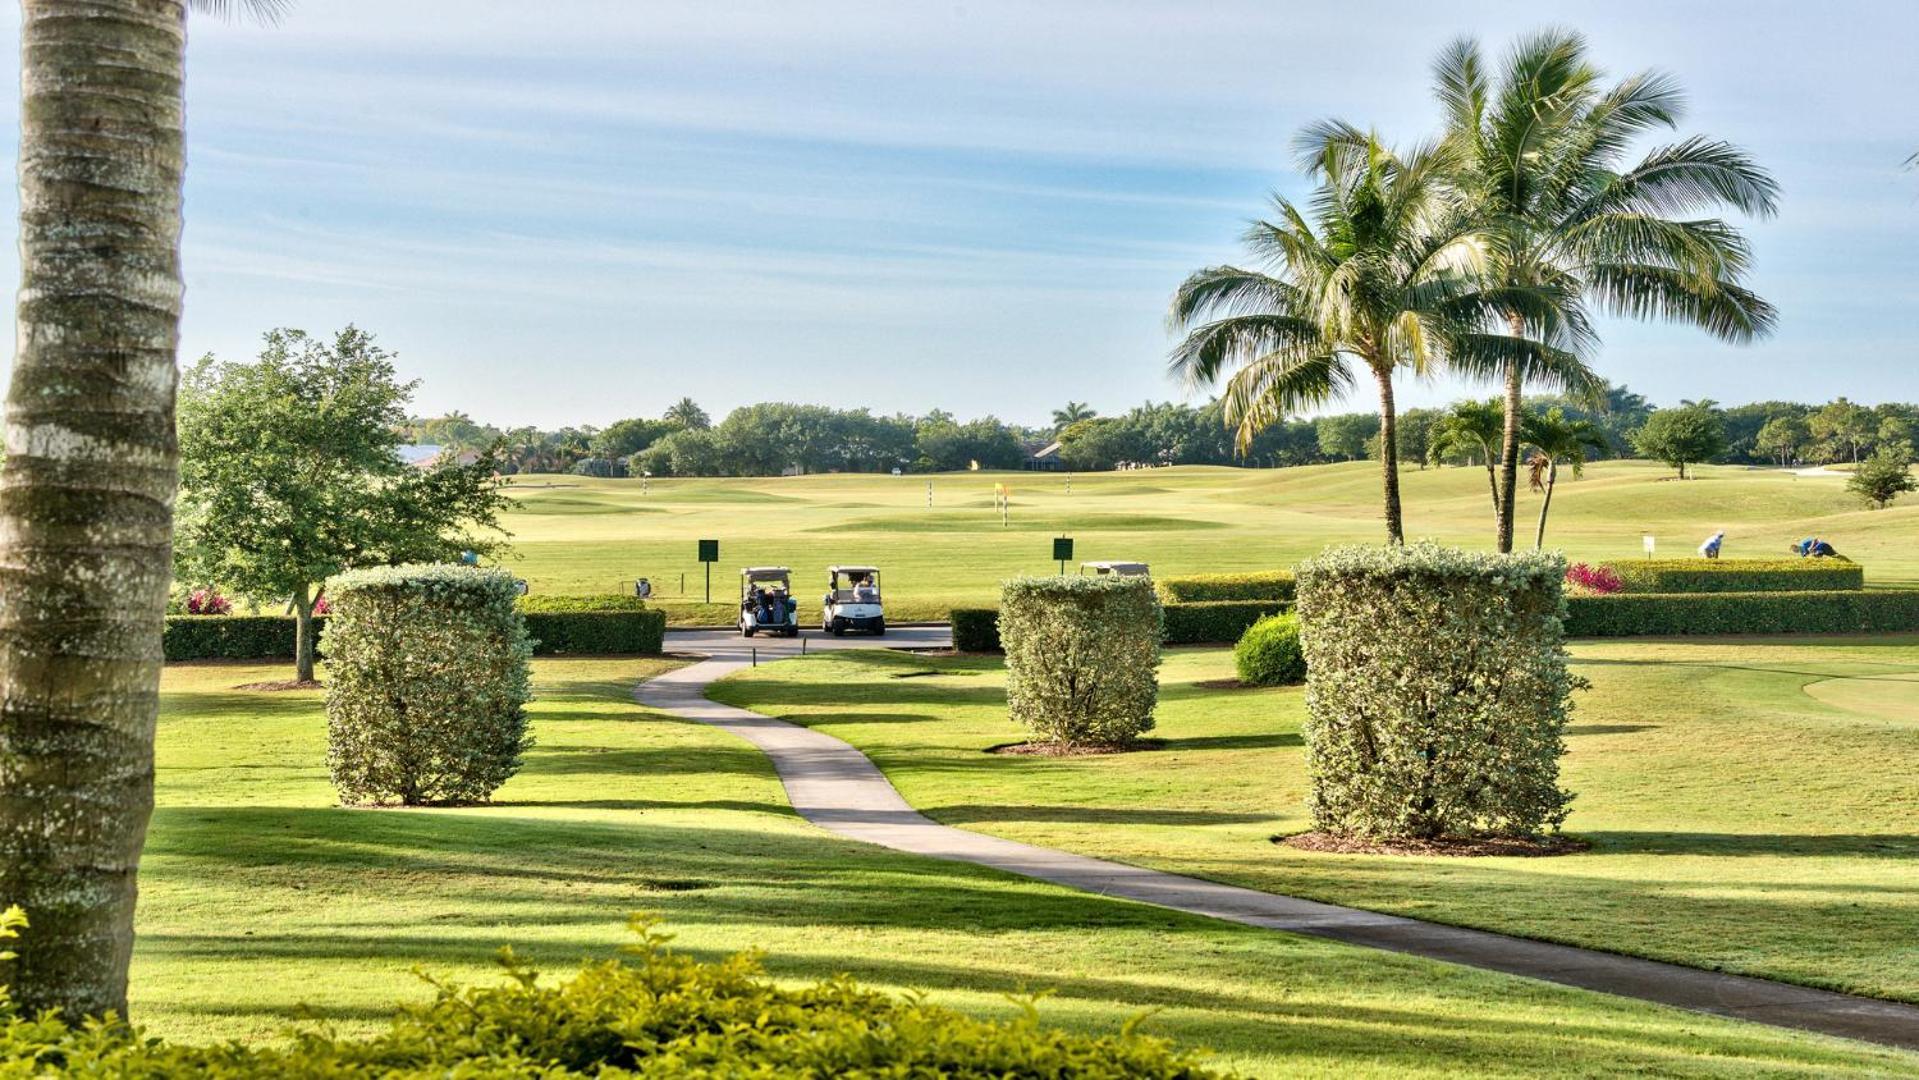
(836,787)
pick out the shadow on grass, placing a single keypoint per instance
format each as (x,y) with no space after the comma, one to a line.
(1881,846)
(969,813)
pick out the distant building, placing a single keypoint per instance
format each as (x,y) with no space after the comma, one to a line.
(420,455)
(1045,459)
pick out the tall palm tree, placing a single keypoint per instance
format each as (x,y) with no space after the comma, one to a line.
(86,492)
(1367,277)
(1471,429)
(1073,413)
(1556,438)
(1540,156)
(687,415)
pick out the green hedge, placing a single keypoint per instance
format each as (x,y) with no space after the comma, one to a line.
(543,604)
(1835,611)
(1738,575)
(1270,653)
(1201,588)
(1218,622)
(270,637)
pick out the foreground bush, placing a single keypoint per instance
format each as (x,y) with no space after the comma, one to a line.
(654,1014)
(1195,588)
(1270,654)
(1436,691)
(1737,575)
(427,685)
(1082,657)
(1841,611)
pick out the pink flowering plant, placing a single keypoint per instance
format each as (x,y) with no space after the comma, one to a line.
(208,602)
(1599,580)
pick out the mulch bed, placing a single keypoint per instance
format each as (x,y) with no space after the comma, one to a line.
(282,684)
(1463,846)
(1043,749)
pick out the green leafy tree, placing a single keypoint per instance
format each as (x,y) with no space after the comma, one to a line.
(1688,435)
(1844,428)
(624,438)
(1781,438)
(88,483)
(1883,477)
(1471,430)
(290,475)
(1539,156)
(687,415)
(1346,436)
(1554,437)
(1364,279)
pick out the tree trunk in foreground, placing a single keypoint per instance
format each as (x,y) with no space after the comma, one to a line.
(1389,457)
(303,605)
(1552,477)
(1509,449)
(86,494)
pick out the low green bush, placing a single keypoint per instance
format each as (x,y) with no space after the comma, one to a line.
(1216,622)
(1738,575)
(587,633)
(654,1013)
(1200,588)
(230,637)
(1437,691)
(270,637)
(547,604)
(427,684)
(976,629)
(1839,611)
(1082,657)
(1269,653)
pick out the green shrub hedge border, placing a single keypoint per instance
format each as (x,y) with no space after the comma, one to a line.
(1833,611)
(1200,588)
(1738,575)
(270,637)
(1215,622)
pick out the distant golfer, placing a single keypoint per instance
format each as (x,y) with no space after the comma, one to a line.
(643,589)
(1710,549)
(1814,548)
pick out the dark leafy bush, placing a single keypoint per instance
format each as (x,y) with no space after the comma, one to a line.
(1839,611)
(1199,588)
(655,1014)
(1270,654)
(229,637)
(586,633)
(976,629)
(1437,691)
(270,637)
(544,604)
(1216,622)
(427,685)
(1082,657)
(1738,575)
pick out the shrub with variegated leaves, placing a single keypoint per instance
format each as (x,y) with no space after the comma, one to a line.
(1082,657)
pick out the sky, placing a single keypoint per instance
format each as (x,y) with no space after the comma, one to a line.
(580,210)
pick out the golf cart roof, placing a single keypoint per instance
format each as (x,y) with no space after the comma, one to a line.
(852,569)
(1115,567)
(766,573)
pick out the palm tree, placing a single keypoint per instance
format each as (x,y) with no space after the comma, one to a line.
(86,493)
(1367,276)
(1540,158)
(687,415)
(1471,429)
(1555,438)
(1073,413)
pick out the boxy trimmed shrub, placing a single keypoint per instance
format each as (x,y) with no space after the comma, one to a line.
(1840,611)
(270,637)
(229,637)
(1738,575)
(1269,653)
(428,680)
(976,629)
(1216,622)
(654,1013)
(1437,691)
(1199,588)
(587,633)
(1082,657)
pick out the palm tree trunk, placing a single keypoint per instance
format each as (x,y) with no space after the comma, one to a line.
(1389,455)
(86,494)
(303,635)
(1509,446)
(1552,477)
(1492,482)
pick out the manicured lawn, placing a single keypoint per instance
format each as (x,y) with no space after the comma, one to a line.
(1753,804)
(263,902)
(579,535)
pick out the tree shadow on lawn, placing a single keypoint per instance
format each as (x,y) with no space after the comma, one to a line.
(962,814)
(573,759)
(1878,846)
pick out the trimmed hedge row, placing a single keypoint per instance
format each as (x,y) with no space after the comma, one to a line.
(1202,588)
(544,604)
(1738,575)
(1833,611)
(1218,622)
(270,637)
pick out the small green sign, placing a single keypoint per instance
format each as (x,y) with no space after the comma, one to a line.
(709,551)
(1062,549)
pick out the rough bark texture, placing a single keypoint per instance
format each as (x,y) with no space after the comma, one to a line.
(303,635)
(1389,457)
(86,494)
(1509,448)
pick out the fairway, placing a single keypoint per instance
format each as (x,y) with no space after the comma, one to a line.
(575,535)
(263,903)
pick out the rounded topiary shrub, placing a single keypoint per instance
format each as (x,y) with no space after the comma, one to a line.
(427,684)
(1269,652)
(1436,691)
(1082,657)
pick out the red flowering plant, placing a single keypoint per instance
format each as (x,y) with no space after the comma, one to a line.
(208,602)
(1598,580)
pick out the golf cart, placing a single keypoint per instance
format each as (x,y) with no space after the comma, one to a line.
(853,600)
(1116,569)
(766,601)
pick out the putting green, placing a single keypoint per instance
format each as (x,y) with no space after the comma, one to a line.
(1893,697)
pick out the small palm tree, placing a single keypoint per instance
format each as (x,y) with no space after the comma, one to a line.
(1471,429)
(1370,276)
(1566,220)
(1555,438)
(688,416)
(1073,413)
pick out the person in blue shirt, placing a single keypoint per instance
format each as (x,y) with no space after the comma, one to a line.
(1710,549)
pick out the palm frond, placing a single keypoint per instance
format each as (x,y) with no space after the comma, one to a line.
(1273,387)
(1722,308)
(265,12)
(1687,176)
(1209,350)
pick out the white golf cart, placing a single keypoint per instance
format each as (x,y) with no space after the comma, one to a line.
(766,602)
(1116,569)
(853,601)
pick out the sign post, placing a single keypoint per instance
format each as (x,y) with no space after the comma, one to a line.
(1062,552)
(709,554)
(1647,540)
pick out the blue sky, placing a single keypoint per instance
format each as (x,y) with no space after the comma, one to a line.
(575,211)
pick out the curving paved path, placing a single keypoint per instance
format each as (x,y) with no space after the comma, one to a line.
(835,786)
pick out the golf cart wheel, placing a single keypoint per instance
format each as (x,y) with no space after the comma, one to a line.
(879,628)
(838,628)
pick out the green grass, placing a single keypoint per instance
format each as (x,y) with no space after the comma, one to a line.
(579,535)
(1752,803)
(262,902)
